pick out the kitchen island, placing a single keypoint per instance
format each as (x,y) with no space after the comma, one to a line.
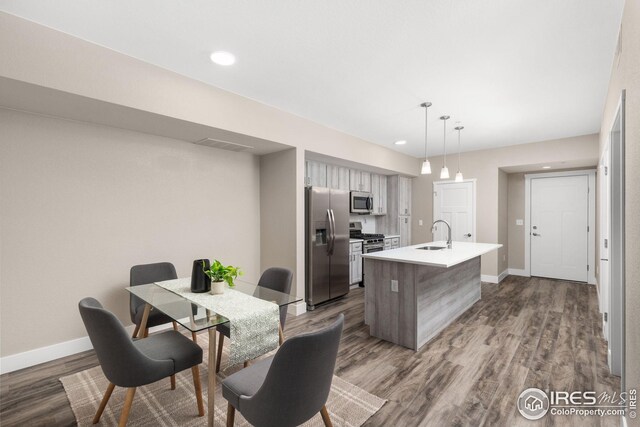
(411,294)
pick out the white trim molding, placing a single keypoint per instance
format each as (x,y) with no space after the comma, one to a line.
(297,308)
(48,353)
(494,279)
(591,239)
(40,355)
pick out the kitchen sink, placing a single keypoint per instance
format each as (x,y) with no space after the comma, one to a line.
(432,248)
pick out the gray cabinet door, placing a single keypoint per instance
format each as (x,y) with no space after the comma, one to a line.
(354,180)
(338,177)
(359,180)
(382,204)
(404,196)
(379,192)
(375,192)
(315,174)
(404,228)
(365,181)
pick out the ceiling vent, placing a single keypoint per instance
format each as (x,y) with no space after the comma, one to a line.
(223,145)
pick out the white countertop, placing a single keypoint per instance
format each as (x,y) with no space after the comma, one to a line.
(460,252)
(355,240)
(391,236)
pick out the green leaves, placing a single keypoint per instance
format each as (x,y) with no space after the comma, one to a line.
(218,272)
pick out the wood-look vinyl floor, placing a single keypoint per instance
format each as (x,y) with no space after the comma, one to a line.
(525,332)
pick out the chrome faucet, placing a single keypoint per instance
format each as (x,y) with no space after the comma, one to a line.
(448,226)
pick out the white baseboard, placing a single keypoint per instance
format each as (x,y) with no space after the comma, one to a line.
(43,354)
(297,308)
(518,272)
(40,355)
(494,279)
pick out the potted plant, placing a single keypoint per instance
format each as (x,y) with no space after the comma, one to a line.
(221,274)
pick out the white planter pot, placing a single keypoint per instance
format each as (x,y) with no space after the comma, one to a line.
(217,288)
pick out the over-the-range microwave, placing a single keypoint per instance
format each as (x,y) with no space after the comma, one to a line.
(361,203)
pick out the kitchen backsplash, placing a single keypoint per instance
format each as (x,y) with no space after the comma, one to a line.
(368,222)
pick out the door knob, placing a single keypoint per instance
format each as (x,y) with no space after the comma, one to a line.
(536,234)
(467,235)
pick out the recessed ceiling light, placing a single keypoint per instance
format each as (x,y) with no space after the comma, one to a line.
(221,57)
(546,167)
(401,142)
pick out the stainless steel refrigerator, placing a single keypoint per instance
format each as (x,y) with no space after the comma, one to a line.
(327,244)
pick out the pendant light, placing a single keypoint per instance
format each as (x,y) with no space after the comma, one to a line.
(426,165)
(459,177)
(444,173)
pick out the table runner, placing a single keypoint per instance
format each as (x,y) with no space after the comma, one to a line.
(253,322)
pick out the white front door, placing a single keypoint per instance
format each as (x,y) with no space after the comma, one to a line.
(454,202)
(559,220)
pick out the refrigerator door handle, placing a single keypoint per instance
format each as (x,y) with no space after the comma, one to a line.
(330,237)
(333,231)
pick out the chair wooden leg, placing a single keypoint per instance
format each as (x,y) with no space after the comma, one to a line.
(175,325)
(146,333)
(135,331)
(231,415)
(195,371)
(325,416)
(280,334)
(194,337)
(128,400)
(173,382)
(103,403)
(220,342)
(246,363)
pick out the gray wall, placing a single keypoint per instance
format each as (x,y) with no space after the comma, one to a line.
(515,232)
(278,211)
(81,204)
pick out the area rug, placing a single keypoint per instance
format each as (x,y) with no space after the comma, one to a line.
(157,405)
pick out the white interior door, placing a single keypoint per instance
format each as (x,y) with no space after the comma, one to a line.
(454,202)
(559,220)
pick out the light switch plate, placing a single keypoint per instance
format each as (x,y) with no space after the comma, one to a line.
(420,222)
(394,286)
(519,222)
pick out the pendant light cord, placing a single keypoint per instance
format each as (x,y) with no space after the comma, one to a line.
(459,149)
(445,142)
(426,116)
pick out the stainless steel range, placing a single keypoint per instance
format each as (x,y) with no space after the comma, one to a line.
(372,242)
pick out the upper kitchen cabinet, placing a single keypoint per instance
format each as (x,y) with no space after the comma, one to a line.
(315,174)
(398,218)
(337,177)
(379,192)
(359,180)
(404,196)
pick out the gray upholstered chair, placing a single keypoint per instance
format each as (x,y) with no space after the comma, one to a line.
(290,387)
(275,278)
(131,364)
(142,275)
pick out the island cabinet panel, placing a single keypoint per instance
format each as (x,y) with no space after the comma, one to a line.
(395,320)
(442,295)
(427,301)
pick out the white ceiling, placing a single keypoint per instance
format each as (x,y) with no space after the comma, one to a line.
(512,71)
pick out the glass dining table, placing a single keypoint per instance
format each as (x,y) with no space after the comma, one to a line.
(196,318)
